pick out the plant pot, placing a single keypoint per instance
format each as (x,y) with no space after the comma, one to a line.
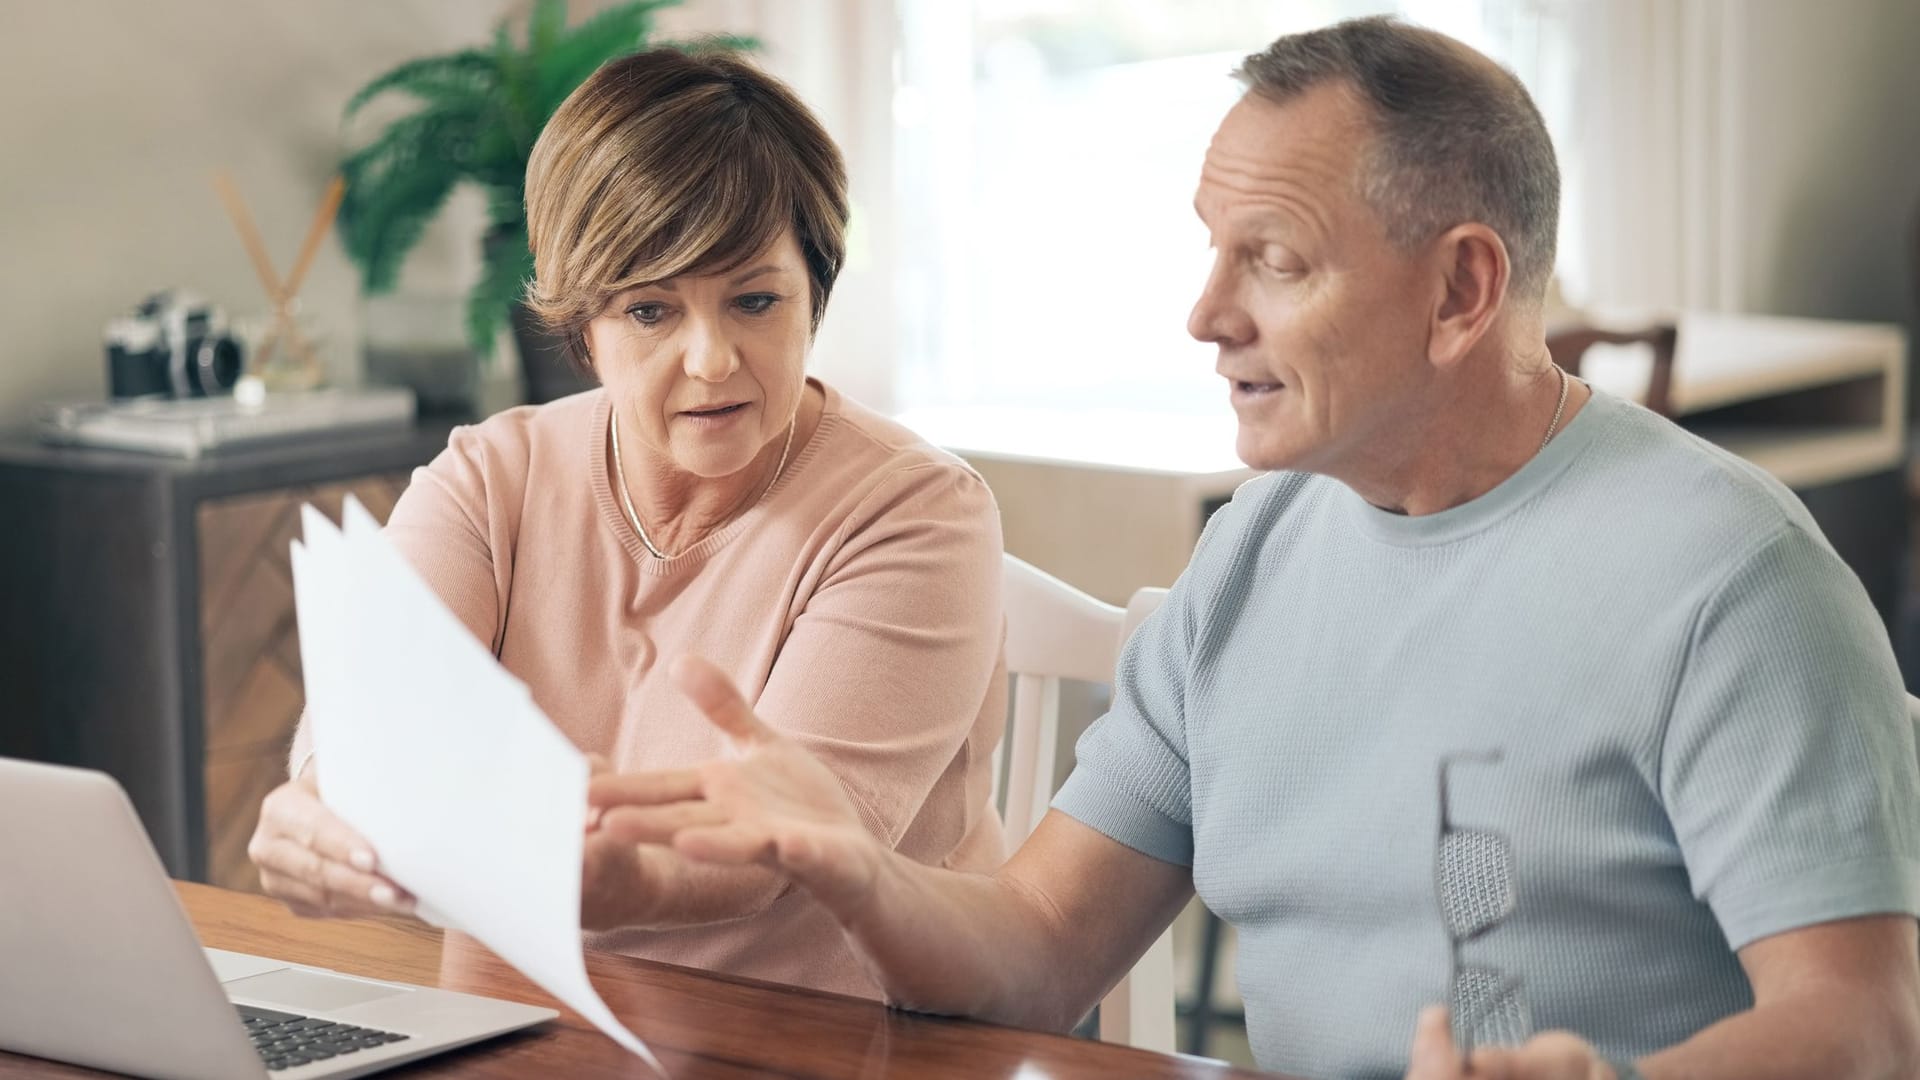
(550,373)
(417,340)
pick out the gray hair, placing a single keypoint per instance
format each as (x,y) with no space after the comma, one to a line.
(1456,136)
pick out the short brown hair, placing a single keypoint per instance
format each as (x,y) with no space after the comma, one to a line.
(1456,136)
(669,162)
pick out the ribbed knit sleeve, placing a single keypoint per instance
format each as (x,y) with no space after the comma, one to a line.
(1787,768)
(1132,775)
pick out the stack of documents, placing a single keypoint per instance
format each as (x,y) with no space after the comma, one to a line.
(473,800)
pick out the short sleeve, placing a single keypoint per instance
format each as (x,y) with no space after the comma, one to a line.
(1788,765)
(1131,777)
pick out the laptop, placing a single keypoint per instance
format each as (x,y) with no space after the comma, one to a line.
(100,967)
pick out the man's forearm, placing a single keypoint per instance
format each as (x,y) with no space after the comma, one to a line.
(959,944)
(1811,1037)
(934,940)
(1003,947)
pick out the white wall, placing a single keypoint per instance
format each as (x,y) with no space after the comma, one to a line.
(113,116)
(1744,155)
(1830,154)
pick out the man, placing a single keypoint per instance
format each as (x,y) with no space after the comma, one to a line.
(1484,632)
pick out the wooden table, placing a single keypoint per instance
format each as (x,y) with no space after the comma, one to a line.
(701,1025)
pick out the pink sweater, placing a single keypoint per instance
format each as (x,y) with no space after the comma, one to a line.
(858,605)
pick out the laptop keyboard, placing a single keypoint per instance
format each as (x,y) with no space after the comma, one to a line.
(289,1040)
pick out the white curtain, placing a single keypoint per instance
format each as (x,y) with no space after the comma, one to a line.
(1651,138)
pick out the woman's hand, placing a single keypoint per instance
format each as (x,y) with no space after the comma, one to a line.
(771,803)
(1555,1055)
(613,884)
(316,863)
(617,877)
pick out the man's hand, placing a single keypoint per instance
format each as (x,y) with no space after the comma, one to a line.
(1555,1055)
(771,803)
(1035,944)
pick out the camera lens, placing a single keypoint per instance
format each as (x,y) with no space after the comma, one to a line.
(217,365)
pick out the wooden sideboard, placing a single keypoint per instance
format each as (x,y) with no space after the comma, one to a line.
(146,620)
(251,695)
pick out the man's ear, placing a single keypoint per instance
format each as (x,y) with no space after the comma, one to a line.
(1473,269)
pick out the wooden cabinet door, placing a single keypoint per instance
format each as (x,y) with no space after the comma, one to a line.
(250,653)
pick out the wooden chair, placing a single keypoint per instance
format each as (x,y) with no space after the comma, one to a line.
(1569,346)
(1055,632)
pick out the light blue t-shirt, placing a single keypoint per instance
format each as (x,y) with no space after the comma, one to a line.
(1702,730)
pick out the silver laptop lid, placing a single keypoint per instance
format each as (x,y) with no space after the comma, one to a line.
(98,964)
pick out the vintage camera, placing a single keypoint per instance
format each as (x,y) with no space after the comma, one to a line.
(173,345)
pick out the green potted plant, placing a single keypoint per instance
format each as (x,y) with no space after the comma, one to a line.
(480,111)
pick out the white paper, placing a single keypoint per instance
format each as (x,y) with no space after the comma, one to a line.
(439,757)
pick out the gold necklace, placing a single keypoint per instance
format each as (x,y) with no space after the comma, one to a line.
(626,501)
(1551,428)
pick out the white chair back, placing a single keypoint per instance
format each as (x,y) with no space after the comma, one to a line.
(1913,713)
(1056,632)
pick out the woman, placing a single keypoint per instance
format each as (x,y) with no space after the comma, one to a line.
(687,216)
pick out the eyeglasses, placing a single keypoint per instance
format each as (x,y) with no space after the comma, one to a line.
(1473,883)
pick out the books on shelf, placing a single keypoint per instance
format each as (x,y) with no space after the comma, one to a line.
(194,426)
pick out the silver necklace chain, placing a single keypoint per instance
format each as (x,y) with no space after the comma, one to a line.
(626,501)
(1558,411)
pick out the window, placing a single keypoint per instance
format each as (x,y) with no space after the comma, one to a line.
(1045,157)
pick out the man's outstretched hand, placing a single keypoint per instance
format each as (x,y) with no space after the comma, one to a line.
(771,802)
